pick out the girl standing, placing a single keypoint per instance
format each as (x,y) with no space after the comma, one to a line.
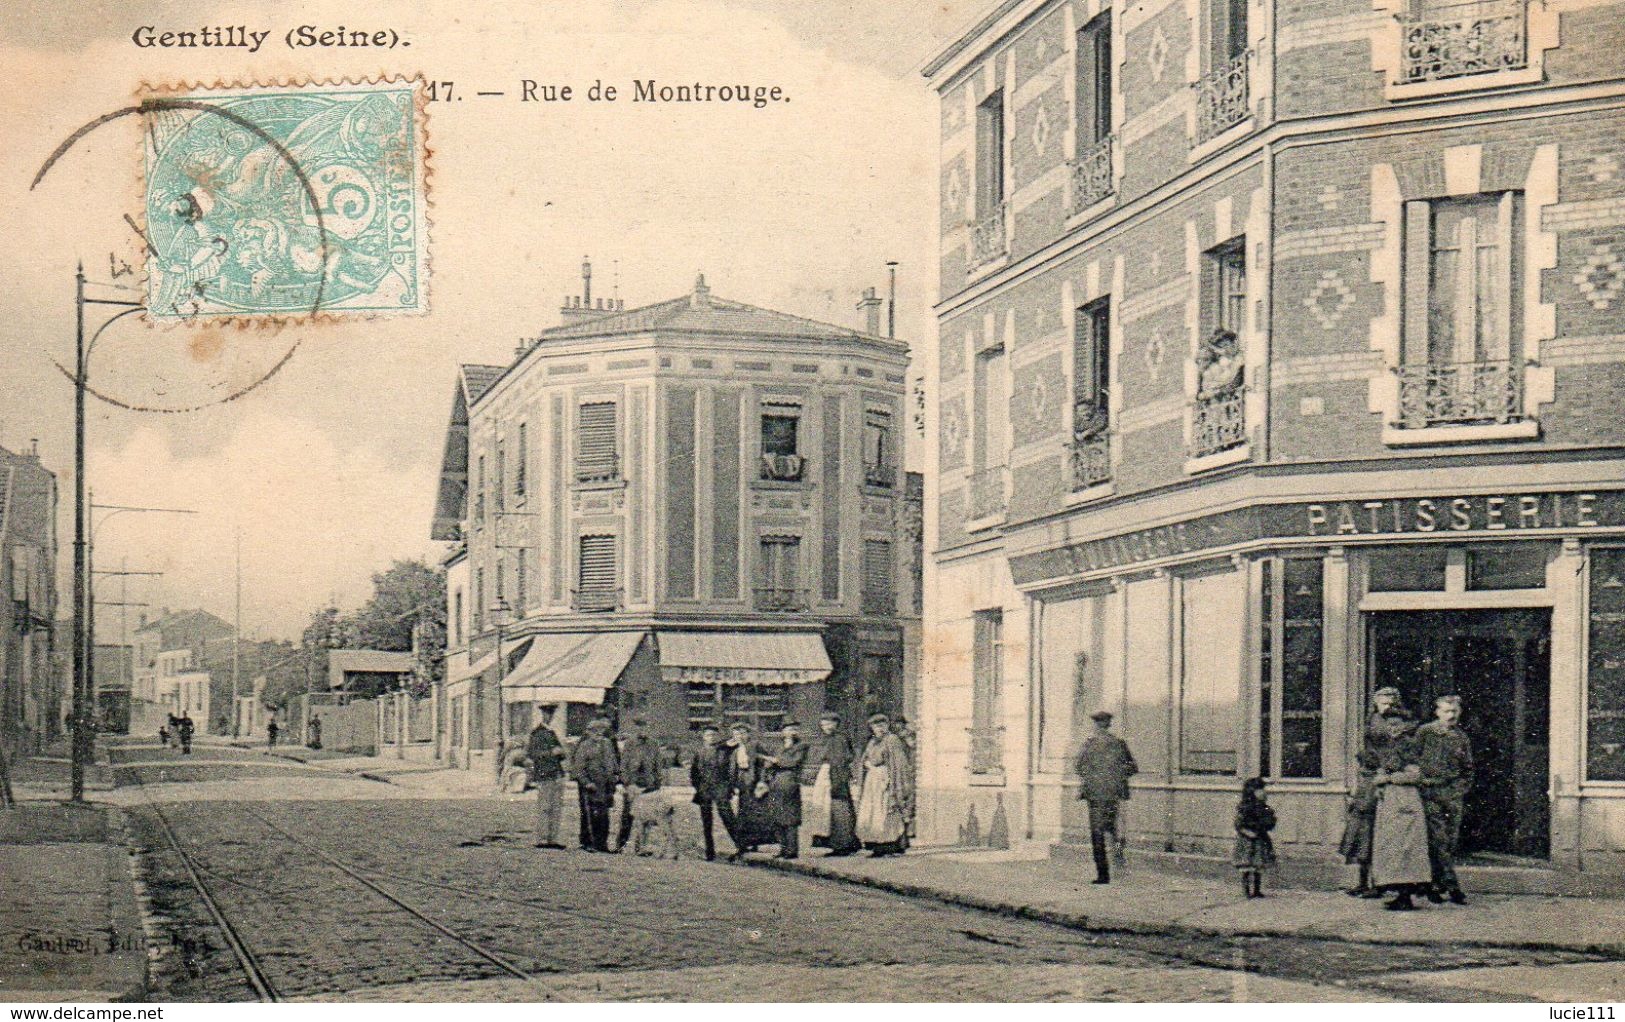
(1255,852)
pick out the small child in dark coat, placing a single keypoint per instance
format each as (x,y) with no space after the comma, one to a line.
(1255,852)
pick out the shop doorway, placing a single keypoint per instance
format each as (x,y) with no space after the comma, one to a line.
(1499,662)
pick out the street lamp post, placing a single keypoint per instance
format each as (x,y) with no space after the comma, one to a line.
(499,610)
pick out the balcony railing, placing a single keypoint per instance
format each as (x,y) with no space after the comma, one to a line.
(986,749)
(1221,98)
(1465,39)
(778,599)
(1218,423)
(783,468)
(1092,175)
(987,239)
(1090,462)
(595,601)
(879,475)
(1460,394)
(599,470)
(987,492)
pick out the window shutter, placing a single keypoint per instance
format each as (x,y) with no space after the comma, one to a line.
(1499,342)
(877,573)
(1418,257)
(1103,77)
(1087,74)
(598,577)
(595,441)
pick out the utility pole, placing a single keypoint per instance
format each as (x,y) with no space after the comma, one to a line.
(237,634)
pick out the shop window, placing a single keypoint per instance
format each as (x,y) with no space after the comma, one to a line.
(1412,569)
(1210,687)
(1291,717)
(597,455)
(1514,566)
(987,692)
(782,460)
(763,708)
(1605,678)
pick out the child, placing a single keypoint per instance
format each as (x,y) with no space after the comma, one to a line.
(1255,852)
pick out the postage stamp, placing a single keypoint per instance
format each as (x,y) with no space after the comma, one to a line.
(286,201)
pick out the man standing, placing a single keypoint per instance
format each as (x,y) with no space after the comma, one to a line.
(1104,766)
(783,802)
(597,770)
(1445,755)
(187,729)
(270,734)
(708,773)
(545,756)
(641,768)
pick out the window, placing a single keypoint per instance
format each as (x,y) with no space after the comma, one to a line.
(1444,39)
(502,478)
(1512,566)
(1227,272)
(1290,710)
(878,595)
(761,707)
(597,579)
(519,584)
(502,576)
(878,469)
(987,693)
(1227,20)
(779,575)
(1094,81)
(1218,422)
(521,465)
(781,442)
(457,618)
(597,455)
(479,600)
(1407,569)
(1210,686)
(1222,94)
(992,437)
(479,491)
(990,156)
(1090,452)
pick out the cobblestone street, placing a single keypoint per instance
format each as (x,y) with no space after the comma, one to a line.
(322,893)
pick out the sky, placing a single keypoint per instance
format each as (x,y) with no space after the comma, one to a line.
(327,471)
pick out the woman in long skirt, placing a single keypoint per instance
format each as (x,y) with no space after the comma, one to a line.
(887,792)
(831,817)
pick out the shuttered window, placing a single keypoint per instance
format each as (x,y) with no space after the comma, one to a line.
(502,478)
(1094,81)
(522,461)
(519,584)
(597,587)
(877,448)
(1459,298)
(597,459)
(877,577)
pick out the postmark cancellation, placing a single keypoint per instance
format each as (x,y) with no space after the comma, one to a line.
(285,201)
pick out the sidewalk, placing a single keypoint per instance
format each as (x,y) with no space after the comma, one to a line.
(70,927)
(1028,883)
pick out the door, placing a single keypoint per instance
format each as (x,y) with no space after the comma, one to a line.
(1499,663)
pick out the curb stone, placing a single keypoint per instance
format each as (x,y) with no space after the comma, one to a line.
(1140,927)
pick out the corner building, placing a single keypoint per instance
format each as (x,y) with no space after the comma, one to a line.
(1281,348)
(692,511)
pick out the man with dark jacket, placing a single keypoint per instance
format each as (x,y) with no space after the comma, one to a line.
(1104,767)
(642,765)
(597,770)
(1445,754)
(187,729)
(545,756)
(708,773)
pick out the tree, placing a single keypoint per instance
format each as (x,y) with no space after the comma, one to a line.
(407,611)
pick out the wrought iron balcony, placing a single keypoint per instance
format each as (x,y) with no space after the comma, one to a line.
(987,491)
(1090,462)
(595,601)
(1218,423)
(1092,175)
(1221,98)
(779,599)
(987,238)
(1460,394)
(783,468)
(599,470)
(987,749)
(1465,39)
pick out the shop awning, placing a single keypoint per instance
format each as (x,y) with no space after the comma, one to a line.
(743,658)
(575,667)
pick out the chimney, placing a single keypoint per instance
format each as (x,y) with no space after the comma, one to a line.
(701,298)
(33,448)
(584,308)
(870,307)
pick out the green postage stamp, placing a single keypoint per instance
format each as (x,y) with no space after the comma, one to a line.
(285,202)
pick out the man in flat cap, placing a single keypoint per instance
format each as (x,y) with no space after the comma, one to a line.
(597,771)
(642,768)
(1104,767)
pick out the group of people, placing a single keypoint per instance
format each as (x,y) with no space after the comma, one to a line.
(1404,819)
(755,788)
(178,732)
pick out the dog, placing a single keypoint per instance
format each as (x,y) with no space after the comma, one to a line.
(654,825)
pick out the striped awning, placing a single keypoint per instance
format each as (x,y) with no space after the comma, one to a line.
(743,658)
(574,667)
